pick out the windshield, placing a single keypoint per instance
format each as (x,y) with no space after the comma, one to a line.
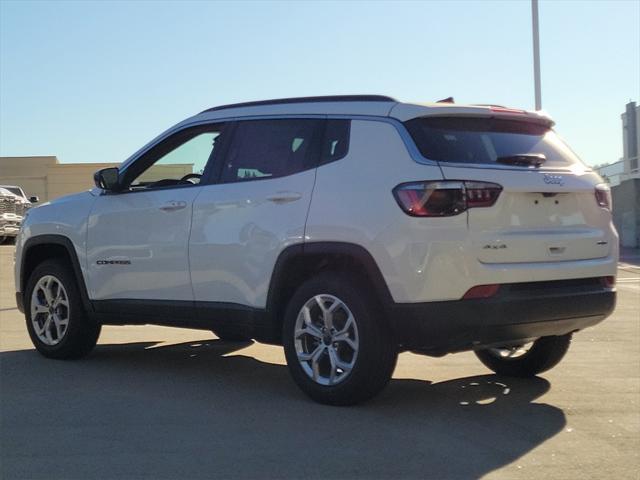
(14,190)
(485,140)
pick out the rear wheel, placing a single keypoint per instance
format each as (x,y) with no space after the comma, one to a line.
(56,320)
(338,346)
(526,360)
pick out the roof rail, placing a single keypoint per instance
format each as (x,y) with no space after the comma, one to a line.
(321,99)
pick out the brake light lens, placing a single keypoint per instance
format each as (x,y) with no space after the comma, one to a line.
(603,196)
(496,108)
(444,198)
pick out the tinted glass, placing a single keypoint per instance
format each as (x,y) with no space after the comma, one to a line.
(189,157)
(15,190)
(336,140)
(483,140)
(272,148)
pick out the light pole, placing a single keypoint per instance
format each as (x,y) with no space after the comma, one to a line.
(536,53)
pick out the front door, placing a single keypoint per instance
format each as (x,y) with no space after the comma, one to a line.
(137,242)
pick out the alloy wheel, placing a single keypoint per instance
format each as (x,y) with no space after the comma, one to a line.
(326,339)
(50,310)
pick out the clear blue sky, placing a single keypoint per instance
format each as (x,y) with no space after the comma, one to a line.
(94,81)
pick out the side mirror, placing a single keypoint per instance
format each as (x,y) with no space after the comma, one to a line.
(107,179)
(34,199)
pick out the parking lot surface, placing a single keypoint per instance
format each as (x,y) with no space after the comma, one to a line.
(155,402)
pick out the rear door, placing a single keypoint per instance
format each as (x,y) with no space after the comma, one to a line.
(257,208)
(547,210)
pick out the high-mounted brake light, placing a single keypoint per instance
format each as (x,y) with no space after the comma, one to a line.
(603,195)
(444,198)
(507,110)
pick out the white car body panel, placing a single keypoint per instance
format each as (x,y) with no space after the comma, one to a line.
(133,227)
(66,216)
(239,229)
(345,210)
(525,226)
(434,259)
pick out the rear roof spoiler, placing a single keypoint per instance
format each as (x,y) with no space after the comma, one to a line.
(406,111)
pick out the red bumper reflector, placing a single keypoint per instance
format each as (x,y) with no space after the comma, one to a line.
(608,282)
(482,291)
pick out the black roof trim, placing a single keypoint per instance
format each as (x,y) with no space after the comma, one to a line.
(321,99)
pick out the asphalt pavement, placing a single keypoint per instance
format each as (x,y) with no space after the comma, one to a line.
(154,402)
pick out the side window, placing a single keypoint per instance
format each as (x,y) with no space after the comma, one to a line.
(336,140)
(272,148)
(185,154)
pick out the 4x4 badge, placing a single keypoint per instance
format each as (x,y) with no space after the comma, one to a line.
(553,179)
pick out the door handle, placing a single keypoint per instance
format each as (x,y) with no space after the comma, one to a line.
(173,205)
(284,197)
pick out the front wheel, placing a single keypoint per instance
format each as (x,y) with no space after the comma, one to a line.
(56,320)
(526,360)
(339,348)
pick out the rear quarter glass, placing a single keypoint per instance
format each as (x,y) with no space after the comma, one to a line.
(484,140)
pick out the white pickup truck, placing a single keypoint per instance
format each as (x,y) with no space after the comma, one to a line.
(13,204)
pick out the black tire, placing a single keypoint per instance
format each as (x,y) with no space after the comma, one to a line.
(544,354)
(377,352)
(82,333)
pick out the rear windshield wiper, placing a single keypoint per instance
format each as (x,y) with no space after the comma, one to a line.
(525,159)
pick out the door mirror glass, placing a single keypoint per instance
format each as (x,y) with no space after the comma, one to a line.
(34,199)
(107,179)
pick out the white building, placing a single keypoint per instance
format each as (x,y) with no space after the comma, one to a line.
(624,177)
(627,167)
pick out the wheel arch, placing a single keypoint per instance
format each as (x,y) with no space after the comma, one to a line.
(45,247)
(299,262)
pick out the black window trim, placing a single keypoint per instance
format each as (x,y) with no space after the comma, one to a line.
(324,162)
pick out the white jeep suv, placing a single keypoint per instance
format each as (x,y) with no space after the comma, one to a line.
(346,228)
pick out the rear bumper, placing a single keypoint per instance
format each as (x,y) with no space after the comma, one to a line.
(517,312)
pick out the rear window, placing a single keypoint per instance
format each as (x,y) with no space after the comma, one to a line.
(484,140)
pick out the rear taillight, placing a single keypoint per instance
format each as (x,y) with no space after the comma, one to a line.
(444,198)
(603,195)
